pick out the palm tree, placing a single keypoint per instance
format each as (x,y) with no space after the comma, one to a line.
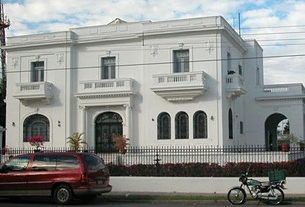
(76,141)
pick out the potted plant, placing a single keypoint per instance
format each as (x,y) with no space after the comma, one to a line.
(288,139)
(36,141)
(76,141)
(121,143)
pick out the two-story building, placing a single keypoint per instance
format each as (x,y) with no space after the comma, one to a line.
(182,82)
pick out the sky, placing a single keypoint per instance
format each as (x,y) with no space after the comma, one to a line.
(277,25)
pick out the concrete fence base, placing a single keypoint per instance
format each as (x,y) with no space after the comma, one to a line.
(202,185)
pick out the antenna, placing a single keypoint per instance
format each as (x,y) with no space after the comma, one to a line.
(239,24)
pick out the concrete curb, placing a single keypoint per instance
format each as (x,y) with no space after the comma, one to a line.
(173,197)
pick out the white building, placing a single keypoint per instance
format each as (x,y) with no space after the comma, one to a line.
(183,82)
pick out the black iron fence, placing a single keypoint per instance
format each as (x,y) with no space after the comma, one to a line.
(180,154)
(166,160)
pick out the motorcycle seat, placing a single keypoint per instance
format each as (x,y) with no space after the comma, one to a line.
(265,184)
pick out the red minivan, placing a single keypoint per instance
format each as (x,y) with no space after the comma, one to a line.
(61,175)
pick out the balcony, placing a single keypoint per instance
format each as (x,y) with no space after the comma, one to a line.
(34,91)
(179,86)
(234,85)
(105,88)
(282,91)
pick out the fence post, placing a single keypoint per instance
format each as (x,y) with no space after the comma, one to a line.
(157,161)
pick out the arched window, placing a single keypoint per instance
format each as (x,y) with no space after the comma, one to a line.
(182,125)
(164,126)
(200,125)
(230,116)
(36,125)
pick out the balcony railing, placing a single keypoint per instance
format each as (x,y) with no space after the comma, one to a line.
(235,85)
(186,79)
(179,86)
(34,91)
(282,91)
(106,87)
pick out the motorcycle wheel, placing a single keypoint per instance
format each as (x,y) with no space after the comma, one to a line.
(237,196)
(276,196)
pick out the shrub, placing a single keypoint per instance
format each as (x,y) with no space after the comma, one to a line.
(292,168)
(36,141)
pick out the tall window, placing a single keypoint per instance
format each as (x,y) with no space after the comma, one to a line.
(181,61)
(229,62)
(257,76)
(36,125)
(230,116)
(200,125)
(108,68)
(164,126)
(37,71)
(182,125)
(240,70)
(241,127)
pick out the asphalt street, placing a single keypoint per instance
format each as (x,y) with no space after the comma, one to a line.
(38,202)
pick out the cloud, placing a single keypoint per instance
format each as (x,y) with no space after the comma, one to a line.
(83,12)
(281,40)
(264,16)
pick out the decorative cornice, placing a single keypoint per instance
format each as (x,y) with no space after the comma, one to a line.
(179,94)
(103,95)
(270,98)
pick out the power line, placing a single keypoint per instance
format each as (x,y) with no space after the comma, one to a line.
(274,27)
(204,45)
(283,39)
(166,63)
(272,33)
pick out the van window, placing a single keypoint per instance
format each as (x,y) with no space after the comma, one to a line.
(67,162)
(19,163)
(94,162)
(44,162)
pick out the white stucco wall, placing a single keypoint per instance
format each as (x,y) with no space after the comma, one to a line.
(143,50)
(218,185)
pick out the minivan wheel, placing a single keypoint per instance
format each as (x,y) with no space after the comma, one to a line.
(62,194)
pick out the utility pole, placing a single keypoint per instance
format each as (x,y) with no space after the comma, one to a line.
(4,23)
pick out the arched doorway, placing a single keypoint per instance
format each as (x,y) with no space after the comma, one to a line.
(271,130)
(107,125)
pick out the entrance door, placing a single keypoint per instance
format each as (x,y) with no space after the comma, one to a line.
(107,125)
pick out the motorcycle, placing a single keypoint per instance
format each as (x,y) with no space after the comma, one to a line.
(270,192)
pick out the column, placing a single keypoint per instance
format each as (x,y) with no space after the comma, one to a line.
(83,122)
(128,121)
